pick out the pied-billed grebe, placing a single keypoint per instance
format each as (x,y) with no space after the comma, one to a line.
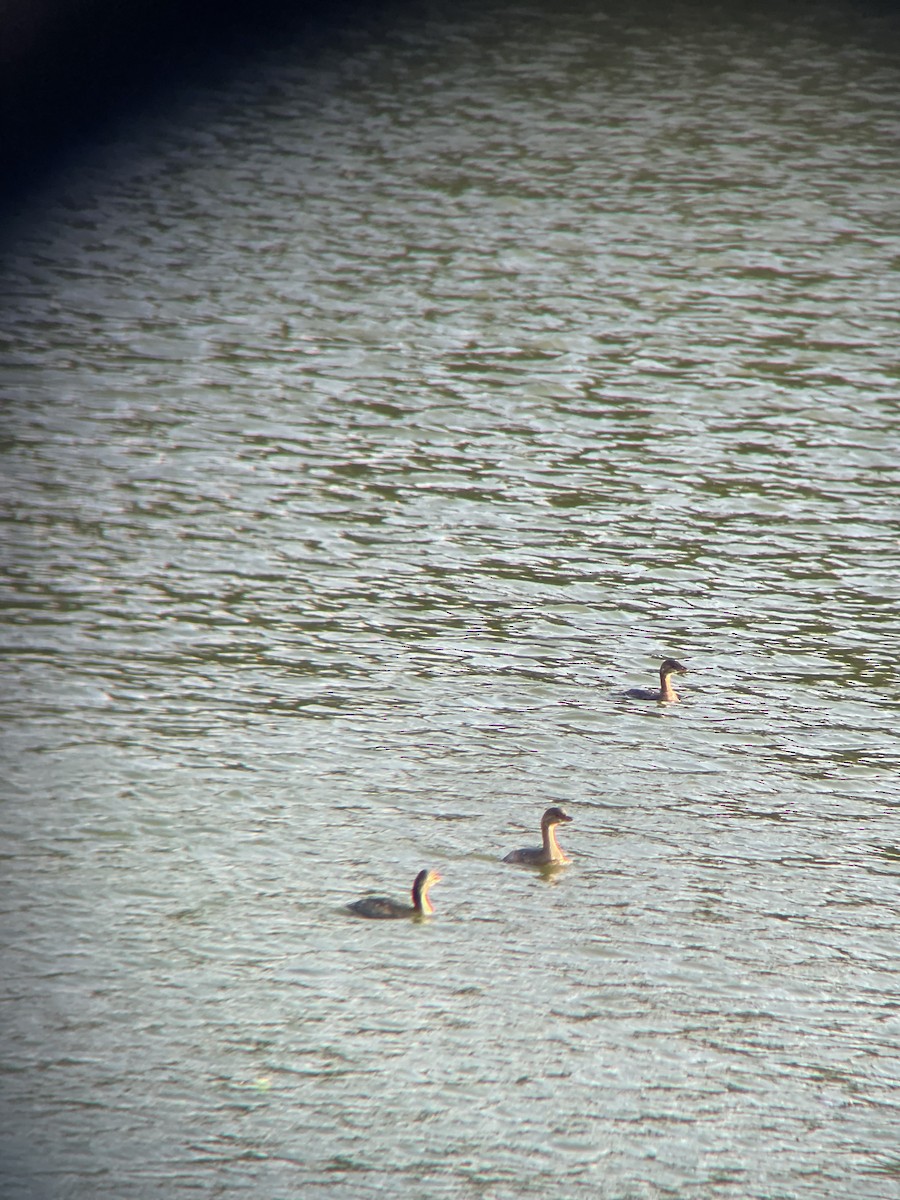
(383,906)
(666,693)
(549,852)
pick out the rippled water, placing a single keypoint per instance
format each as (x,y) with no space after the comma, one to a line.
(373,419)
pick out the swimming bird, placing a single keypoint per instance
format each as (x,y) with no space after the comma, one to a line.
(666,693)
(549,852)
(382,906)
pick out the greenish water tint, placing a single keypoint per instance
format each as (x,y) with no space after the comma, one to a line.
(372,423)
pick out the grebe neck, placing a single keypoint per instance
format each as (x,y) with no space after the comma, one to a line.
(667,692)
(552,851)
(421,903)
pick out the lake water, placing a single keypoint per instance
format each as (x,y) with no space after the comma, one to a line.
(376,413)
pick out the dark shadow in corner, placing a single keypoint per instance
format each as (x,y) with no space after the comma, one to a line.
(70,69)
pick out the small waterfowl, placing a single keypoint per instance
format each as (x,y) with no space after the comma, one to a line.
(549,852)
(666,693)
(380,907)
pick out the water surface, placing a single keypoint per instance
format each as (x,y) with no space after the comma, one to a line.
(375,415)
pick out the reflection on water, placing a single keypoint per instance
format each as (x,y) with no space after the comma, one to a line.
(372,425)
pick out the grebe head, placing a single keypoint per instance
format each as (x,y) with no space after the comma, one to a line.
(672,666)
(427,877)
(555,816)
(424,881)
